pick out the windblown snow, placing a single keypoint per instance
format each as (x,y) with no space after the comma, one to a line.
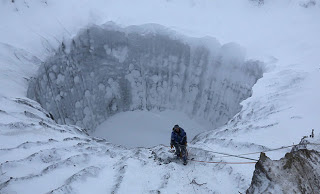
(85,73)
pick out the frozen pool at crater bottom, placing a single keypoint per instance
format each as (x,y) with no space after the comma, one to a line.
(146,128)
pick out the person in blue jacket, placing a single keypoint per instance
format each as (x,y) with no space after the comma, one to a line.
(179,141)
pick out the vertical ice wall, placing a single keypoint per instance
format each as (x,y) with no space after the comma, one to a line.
(107,69)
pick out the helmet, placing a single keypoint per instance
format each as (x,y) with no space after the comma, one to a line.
(176,127)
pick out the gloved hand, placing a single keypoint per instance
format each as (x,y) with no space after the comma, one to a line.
(186,144)
(171,146)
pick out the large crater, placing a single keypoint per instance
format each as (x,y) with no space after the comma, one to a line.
(107,69)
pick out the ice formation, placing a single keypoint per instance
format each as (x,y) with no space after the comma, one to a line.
(107,69)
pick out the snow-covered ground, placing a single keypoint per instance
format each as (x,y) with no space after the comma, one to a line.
(146,128)
(38,156)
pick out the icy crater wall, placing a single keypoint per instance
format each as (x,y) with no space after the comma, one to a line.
(105,70)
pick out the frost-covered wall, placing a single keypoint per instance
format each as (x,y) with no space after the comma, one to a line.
(107,69)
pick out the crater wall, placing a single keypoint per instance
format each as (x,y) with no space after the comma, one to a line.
(106,69)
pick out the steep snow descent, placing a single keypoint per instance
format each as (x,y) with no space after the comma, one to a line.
(106,69)
(37,155)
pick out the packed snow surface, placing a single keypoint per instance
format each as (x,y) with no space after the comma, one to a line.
(146,128)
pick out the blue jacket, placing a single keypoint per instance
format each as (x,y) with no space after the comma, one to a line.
(180,138)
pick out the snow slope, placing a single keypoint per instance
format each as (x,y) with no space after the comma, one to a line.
(39,156)
(34,150)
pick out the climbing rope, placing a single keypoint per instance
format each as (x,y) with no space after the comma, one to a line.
(222,162)
(240,155)
(230,155)
(270,150)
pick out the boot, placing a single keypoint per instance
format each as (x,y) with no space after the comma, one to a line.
(185,162)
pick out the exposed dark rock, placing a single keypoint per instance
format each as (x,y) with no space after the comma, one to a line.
(297,172)
(308,3)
